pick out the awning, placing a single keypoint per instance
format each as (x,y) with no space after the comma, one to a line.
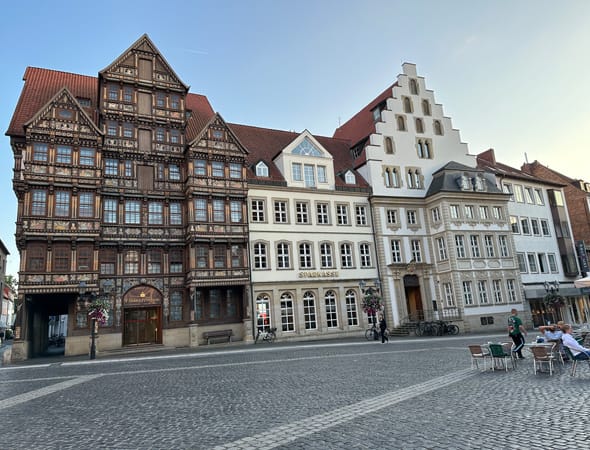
(582,282)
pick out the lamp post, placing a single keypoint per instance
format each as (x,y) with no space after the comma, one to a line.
(372,300)
(552,298)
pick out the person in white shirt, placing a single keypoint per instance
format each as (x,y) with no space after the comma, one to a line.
(552,333)
(579,352)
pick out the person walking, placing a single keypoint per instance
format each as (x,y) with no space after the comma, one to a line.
(383,328)
(516,331)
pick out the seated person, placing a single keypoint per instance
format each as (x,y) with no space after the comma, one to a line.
(552,333)
(579,352)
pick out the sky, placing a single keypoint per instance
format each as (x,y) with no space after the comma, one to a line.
(511,74)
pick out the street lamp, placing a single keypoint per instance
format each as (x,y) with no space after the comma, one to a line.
(371,300)
(85,299)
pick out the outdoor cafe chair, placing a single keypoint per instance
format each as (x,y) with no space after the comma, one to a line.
(574,361)
(499,353)
(479,352)
(543,354)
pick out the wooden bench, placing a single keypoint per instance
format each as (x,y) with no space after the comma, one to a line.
(217,334)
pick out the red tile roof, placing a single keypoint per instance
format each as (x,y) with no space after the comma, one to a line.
(41,85)
(362,124)
(264,144)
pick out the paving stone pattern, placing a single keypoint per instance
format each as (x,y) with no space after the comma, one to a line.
(408,394)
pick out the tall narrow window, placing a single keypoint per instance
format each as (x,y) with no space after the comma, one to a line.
(175,211)
(86,204)
(154,261)
(331,310)
(200,205)
(132,212)
(40,151)
(287,313)
(131,262)
(309,313)
(351,309)
(305,256)
(110,210)
(425,107)
(260,256)
(62,204)
(175,306)
(283,256)
(155,213)
(326,259)
(346,256)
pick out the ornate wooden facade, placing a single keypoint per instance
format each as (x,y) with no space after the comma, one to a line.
(134,188)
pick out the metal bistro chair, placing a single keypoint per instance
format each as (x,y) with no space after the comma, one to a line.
(500,354)
(479,352)
(574,361)
(543,354)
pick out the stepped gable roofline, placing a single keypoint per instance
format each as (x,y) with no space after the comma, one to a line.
(201,113)
(265,144)
(362,124)
(41,85)
(142,41)
(64,91)
(446,179)
(487,161)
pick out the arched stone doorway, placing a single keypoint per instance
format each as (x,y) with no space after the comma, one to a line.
(142,316)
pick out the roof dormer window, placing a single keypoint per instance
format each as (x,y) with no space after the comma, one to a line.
(349,178)
(261,169)
(306,148)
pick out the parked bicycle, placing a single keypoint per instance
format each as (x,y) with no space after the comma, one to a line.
(425,328)
(267,335)
(447,328)
(374,333)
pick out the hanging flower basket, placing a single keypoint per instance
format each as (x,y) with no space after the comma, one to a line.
(554,300)
(99,310)
(371,303)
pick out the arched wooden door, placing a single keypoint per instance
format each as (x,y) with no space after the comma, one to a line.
(413,297)
(142,316)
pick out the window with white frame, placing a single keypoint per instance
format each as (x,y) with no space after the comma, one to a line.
(442,249)
(396,251)
(460,246)
(305,256)
(283,256)
(454,210)
(309,314)
(497,212)
(503,244)
(528,195)
(508,189)
(322,174)
(467,293)
(309,175)
(469,213)
(361,215)
(522,267)
(416,249)
(538,193)
(449,296)
(474,241)
(511,289)
(260,256)
(552,262)
(346,256)
(322,214)
(287,313)
(489,245)
(257,210)
(392,216)
(342,214)
(351,309)
(535,228)
(302,212)
(532,259)
(280,211)
(484,213)
(331,309)
(524,225)
(365,255)
(545,227)
(435,212)
(482,291)
(261,170)
(518,194)
(349,178)
(514,226)
(326,255)
(543,266)
(296,171)
(497,291)
(412,217)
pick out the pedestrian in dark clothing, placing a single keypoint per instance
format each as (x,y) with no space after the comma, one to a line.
(383,328)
